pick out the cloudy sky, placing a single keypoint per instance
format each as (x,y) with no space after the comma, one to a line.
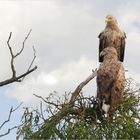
(65,35)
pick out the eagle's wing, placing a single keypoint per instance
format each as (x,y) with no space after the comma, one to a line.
(118,87)
(122,48)
(101,45)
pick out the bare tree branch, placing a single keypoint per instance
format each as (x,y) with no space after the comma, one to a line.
(23,44)
(12,56)
(8,119)
(79,88)
(51,103)
(18,78)
(14,77)
(8,131)
(9,116)
(34,57)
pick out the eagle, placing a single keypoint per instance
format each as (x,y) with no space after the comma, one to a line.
(110,80)
(112,36)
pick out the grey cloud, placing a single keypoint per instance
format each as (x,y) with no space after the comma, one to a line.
(64,31)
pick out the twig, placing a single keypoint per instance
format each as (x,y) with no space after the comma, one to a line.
(23,44)
(10,113)
(8,131)
(51,103)
(34,57)
(9,117)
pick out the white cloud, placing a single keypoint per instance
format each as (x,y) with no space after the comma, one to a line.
(48,79)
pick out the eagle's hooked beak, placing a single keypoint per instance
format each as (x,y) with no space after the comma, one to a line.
(107,20)
(102,53)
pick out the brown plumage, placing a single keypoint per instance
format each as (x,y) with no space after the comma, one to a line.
(110,80)
(112,36)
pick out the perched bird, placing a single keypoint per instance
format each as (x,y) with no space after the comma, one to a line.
(112,36)
(110,80)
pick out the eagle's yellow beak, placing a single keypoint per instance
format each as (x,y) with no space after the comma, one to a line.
(107,20)
(102,53)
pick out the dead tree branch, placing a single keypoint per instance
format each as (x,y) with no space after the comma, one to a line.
(29,69)
(79,88)
(8,131)
(8,119)
(17,79)
(50,103)
(14,77)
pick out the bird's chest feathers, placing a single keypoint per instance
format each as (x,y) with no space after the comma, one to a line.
(108,70)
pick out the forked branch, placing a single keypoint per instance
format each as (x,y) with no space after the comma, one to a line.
(14,77)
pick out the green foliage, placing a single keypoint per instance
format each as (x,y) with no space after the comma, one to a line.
(125,123)
(30,123)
